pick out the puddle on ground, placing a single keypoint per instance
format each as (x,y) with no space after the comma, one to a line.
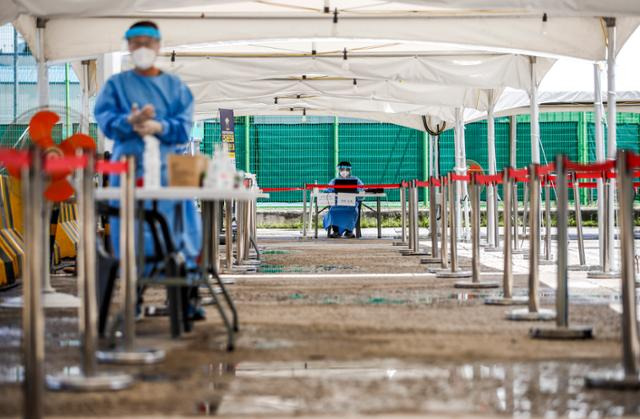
(271,269)
(275,252)
(420,298)
(523,389)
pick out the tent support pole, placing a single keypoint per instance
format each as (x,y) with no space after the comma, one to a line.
(491,163)
(611,133)
(43,75)
(247,146)
(336,144)
(425,159)
(600,156)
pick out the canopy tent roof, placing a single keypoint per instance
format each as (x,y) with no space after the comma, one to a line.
(569,86)
(412,80)
(401,53)
(572,28)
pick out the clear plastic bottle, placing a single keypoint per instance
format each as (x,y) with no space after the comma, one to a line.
(151,162)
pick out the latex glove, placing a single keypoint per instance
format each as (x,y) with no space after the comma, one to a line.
(148,127)
(138,116)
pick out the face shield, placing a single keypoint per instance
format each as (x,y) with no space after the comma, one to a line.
(143,44)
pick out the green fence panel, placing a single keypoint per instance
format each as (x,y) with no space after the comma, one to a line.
(382,153)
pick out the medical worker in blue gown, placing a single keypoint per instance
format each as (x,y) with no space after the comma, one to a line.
(341,220)
(147,101)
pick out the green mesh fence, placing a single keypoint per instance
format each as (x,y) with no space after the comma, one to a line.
(292,154)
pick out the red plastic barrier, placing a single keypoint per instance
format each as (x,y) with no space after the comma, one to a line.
(54,165)
(111,167)
(381,186)
(606,166)
(546,169)
(518,173)
(588,175)
(588,185)
(462,178)
(281,189)
(633,160)
(488,179)
(14,158)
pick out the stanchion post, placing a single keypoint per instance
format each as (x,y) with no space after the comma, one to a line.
(547,218)
(525,208)
(128,353)
(629,378)
(215,230)
(433,222)
(474,193)
(578,212)
(88,379)
(403,216)
(533,312)
(228,239)
(562,329)
(32,311)
(606,272)
(443,223)
(507,273)
(453,233)
(304,212)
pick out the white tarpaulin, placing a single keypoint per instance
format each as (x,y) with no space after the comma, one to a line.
(78,29)
(474,70)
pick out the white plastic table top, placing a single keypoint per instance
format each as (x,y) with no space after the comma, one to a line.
(171,193)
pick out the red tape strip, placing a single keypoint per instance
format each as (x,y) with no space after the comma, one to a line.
(380,186)
(546,169)
(518,173)
(281,189)
(591,167)
(488,179)
(462,178)
(588,175)
(111,167)
(633,160)
(55,165)
(14,158)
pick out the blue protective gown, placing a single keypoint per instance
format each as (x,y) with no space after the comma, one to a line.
(173,104)
(342,217)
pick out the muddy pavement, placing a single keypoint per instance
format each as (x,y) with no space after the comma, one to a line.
(324,331)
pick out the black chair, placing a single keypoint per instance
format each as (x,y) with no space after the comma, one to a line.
(168,269)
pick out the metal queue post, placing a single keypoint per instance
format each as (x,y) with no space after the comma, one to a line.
(403,216)
(444,216)
(533,311)
(629,377)
(547,223)
(518,175)
(496,224)
(507,273)
(562,330)
(453,242)
(88,379)
(474,191)
(606,272)
(414,223)
(578,213)
(129,353)
(33,312)
(433,223)
(228,229)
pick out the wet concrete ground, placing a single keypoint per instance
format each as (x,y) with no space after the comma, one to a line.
(343,333)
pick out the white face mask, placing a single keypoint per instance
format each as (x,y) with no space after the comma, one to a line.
(143,58)
(344,173)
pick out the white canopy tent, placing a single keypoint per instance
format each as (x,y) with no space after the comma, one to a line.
(68,29)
